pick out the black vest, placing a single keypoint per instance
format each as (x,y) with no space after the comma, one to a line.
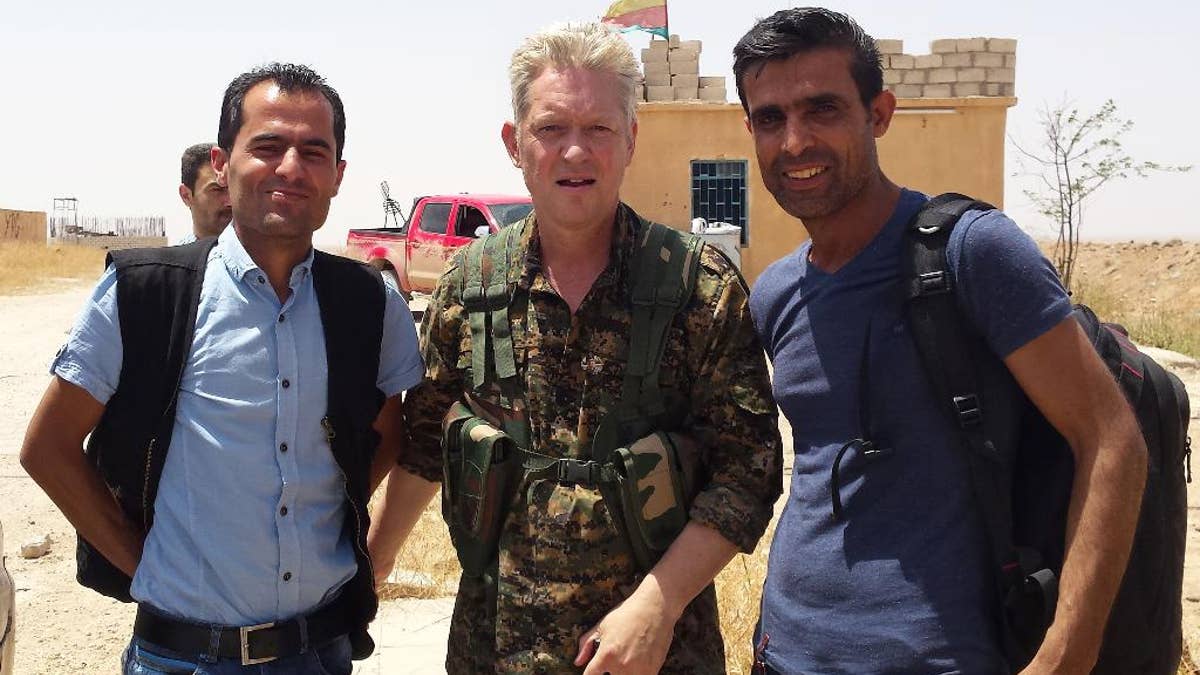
(158,291)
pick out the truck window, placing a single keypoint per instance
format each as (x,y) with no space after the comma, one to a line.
(470,219)
(507,214)
(434,217)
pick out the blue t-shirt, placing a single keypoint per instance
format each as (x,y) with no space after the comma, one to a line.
(900,583)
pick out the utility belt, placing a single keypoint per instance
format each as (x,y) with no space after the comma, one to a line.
(651,481)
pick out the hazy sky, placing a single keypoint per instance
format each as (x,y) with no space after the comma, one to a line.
(101,98)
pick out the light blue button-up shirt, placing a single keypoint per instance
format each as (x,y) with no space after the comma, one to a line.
(250,509)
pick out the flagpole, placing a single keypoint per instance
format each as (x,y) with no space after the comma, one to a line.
(667,23)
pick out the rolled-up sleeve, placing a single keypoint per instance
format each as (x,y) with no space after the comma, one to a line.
(400,367)
(92,356)
(736,421)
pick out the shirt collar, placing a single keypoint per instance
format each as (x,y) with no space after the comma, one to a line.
(627,226)
(240,264)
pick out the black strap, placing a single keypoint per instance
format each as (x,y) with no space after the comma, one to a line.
(949,351)
(250,644)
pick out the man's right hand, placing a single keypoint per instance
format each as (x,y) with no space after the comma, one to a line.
(53,456)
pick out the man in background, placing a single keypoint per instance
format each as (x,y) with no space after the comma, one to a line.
(204,196)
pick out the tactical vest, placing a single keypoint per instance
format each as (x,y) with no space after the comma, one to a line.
(158,292)
(638,460)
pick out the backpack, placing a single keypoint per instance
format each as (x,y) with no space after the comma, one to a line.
(1021,469)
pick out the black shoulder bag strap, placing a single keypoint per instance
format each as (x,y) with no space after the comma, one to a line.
(948,351)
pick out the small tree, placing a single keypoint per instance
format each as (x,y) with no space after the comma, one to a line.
(1081,153)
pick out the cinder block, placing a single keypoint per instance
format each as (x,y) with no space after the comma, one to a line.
(890,46)
(682,54)
(1002,45)
(1002,75)
(971,75)
(894,76)
(692,81)
(654,56)
(902,61)
(673,40)
(691,45)
(659,45)
(656,93)
(968,89)
(972,44)
(907,91)
(956,60)
(656,68)
(713,94)
(915,76)
(987,60)
(929,60)
(712,81)
(942,76)
(1010,60)
(937,91)
(947,46)
(1008,90)
(685,67)
(686,93)
(658,80)
(991,89)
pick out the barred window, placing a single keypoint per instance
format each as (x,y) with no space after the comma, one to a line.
(719,193)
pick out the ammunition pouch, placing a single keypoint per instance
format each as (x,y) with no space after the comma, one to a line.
(654,486)
(480,466)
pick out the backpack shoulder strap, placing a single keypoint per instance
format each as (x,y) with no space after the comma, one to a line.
(488,292)
(951,355)
(663,273)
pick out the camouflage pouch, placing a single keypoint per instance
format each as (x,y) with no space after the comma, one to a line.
(480,464)
(655,485)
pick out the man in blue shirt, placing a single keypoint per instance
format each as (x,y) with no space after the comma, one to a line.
(900,582)
(257,549)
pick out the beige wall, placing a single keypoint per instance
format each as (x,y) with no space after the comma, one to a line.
(22,225)
(934,145)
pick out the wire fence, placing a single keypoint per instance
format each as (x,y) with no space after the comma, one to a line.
(62,227)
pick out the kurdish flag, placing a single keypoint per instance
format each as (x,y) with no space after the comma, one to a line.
(647,15)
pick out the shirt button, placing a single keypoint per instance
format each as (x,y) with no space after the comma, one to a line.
(283,447)
(287,576)
(286,384)
(283,510)
(281,318)
(261,280)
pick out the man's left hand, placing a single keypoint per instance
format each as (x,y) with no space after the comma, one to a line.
(632,639)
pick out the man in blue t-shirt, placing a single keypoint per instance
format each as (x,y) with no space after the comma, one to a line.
(900,582)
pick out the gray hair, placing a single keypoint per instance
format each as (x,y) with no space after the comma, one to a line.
(590,46)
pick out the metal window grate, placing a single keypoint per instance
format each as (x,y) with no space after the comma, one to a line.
(719,193)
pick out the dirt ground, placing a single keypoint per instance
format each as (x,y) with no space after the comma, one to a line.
(63,628)
(1162,273)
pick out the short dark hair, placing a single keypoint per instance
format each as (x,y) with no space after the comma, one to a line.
(290,78)
(791,31)
(193,158)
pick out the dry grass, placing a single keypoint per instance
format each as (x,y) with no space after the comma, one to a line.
(28,267)
(1162,325)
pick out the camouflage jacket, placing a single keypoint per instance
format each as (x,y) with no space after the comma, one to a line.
(562,563)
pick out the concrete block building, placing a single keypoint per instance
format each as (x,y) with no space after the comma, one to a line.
(695,157)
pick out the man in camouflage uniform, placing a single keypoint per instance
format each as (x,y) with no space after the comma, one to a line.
(569,593)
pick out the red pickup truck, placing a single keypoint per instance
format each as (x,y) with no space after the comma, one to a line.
(416,252)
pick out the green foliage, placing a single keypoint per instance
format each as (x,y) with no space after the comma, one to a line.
(1081,152)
